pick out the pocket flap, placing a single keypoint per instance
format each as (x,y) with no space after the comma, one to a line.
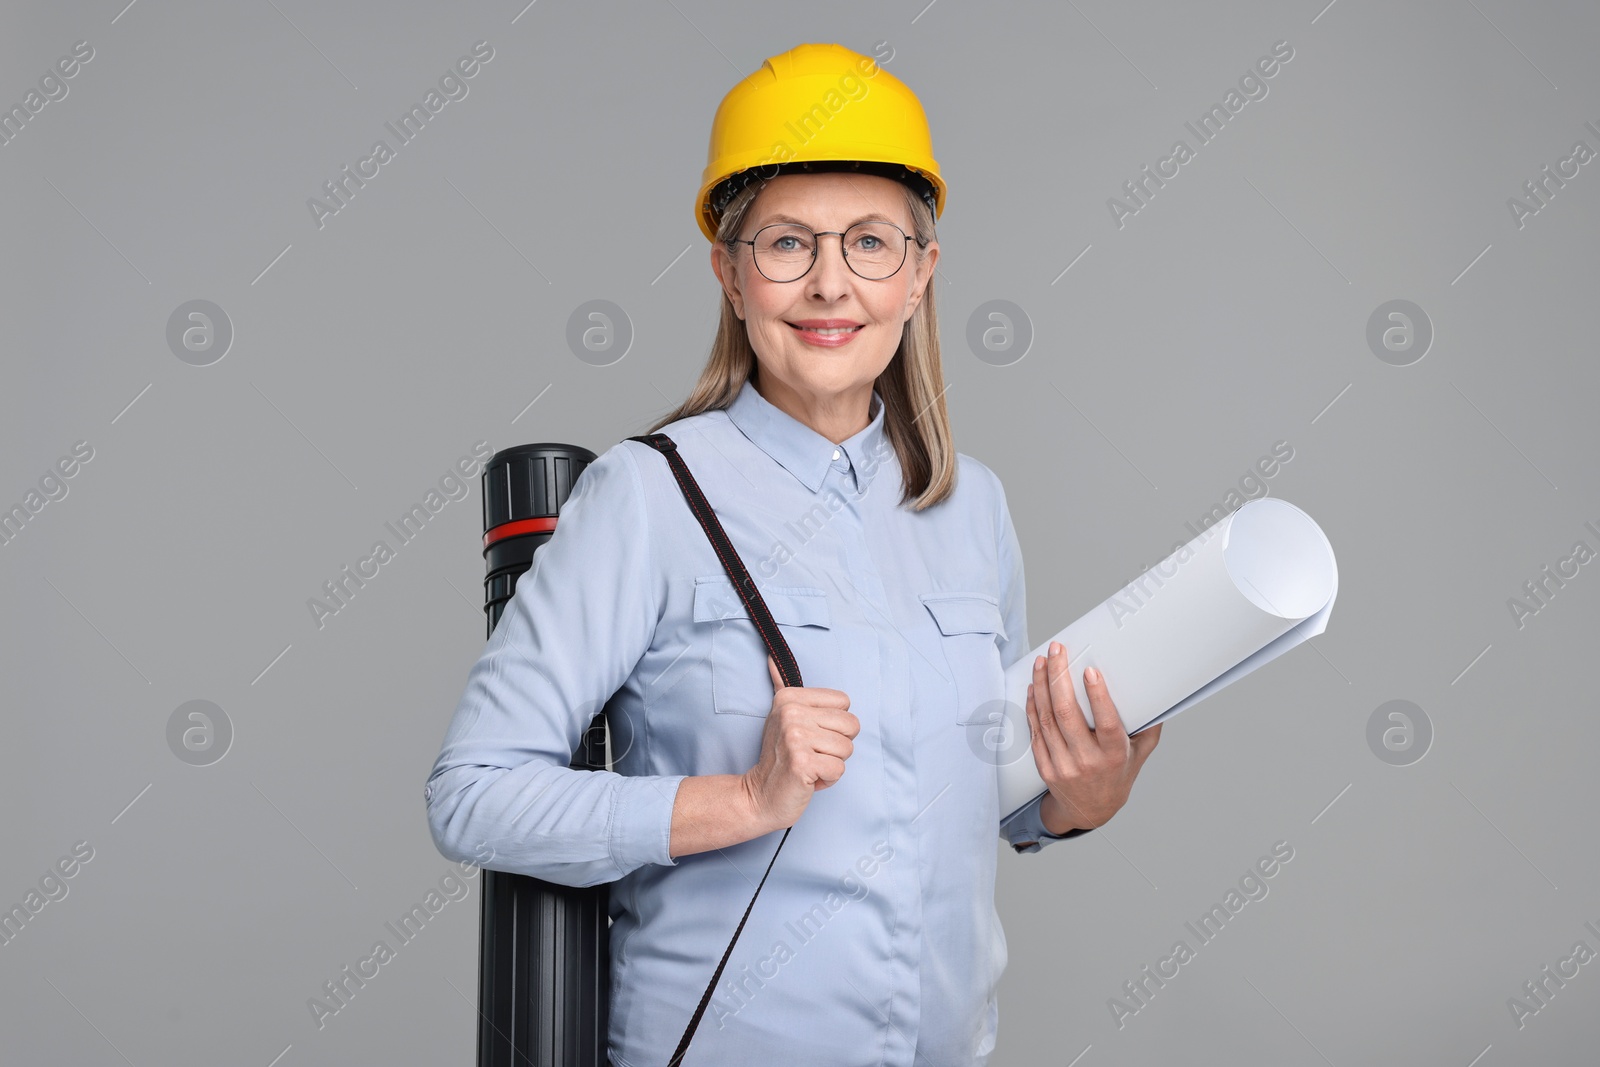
(795,605)
(965,613)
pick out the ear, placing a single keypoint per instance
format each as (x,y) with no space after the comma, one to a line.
(722,266)
(924,278)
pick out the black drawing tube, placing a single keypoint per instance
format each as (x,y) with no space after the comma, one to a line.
(544,979)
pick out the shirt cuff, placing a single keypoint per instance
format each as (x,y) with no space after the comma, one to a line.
(641,820)
(1025,830)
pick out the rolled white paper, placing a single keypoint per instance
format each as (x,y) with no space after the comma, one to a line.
(1244,592)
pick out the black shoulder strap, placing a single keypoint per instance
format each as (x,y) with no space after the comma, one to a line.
(776,645)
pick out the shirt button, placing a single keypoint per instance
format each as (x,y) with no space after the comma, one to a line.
(836,453)
(427,792)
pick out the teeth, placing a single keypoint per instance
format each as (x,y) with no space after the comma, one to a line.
(832,330)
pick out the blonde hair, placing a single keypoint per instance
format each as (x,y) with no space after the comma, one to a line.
(915,420)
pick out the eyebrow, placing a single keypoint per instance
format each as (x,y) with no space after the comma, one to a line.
(876,216)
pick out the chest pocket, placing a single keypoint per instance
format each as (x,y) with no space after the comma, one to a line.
(740,681)
(971,631)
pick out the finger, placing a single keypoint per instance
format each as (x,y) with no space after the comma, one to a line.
(1108,728)
(822,697)
(830,770)
(1043,762)
(839,721)
(1050,755)
(830,743)
(772,669)
(1069,717)
(1049,724)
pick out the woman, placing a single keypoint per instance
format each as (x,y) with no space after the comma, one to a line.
(818,432)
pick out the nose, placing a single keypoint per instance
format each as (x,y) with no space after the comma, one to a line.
(829,276)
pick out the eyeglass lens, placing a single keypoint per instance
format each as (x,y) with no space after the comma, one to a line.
(785,251)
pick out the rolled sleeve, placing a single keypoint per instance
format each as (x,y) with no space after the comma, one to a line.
(501,793)
(641,829)
(1025,830)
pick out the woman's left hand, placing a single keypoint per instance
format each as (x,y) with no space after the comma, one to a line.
(1089,771)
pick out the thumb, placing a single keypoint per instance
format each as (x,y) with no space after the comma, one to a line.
(772,669)
(1144,743)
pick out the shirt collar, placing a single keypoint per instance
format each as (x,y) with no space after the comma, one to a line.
(802,451)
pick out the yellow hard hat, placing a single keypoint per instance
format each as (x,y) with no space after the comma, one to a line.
(817,107)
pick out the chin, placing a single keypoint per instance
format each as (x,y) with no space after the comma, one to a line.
(831,376)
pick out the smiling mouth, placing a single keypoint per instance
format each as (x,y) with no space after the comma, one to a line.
(831,331)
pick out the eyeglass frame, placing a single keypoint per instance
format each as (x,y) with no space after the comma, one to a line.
(816,246)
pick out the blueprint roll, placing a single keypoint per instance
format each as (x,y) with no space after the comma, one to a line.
(1244,592)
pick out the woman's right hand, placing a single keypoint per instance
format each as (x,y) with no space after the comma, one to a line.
(804,744)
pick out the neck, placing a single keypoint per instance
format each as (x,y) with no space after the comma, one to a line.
(836,416)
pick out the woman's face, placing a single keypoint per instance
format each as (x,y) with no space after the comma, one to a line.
(819,369)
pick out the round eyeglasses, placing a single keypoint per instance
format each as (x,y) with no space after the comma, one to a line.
(786,251)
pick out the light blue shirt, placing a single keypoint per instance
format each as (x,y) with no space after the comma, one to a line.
(876,939)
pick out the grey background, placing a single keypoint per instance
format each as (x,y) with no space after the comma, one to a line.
(370,354)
